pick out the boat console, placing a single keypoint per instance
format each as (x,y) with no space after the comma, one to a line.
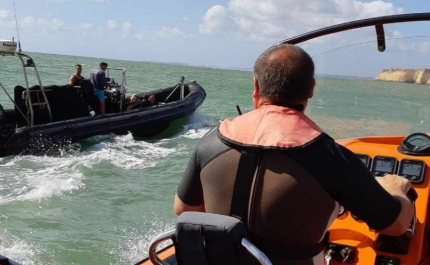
(351,240)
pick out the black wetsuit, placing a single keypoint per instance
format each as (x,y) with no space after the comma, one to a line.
(340,172)
(301,176)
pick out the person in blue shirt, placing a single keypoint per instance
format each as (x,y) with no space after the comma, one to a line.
(99,81)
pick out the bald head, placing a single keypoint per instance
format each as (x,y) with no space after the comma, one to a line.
(285,74)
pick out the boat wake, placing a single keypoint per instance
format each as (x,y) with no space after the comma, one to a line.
(199,125)
(196,133)
(135,247)
(19,250)
(119,163)
(38,178)
(196,127)
(45,176)
(124,152)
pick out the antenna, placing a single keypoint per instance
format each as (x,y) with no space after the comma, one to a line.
(16,23)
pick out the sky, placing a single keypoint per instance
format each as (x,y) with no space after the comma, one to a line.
(221,33)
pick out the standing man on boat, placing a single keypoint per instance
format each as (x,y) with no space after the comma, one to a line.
(99,81)
(277,171)
(77,78)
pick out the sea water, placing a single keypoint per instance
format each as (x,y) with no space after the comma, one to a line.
(100,201)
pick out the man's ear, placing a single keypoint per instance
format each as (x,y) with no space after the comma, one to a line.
(256,93)
(311,91)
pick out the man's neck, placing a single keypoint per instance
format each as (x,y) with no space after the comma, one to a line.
(299,106)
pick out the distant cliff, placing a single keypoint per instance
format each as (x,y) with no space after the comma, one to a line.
(418,76)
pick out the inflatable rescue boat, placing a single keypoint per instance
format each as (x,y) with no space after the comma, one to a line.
(50,116)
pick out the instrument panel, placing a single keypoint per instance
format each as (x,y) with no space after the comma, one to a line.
(412,169)
(349,234)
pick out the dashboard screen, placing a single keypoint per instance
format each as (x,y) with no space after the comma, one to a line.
(365,159)
(412,170)
(383,165)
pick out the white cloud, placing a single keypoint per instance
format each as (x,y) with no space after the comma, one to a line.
(277,19)
(127,28)
(166,32)
(424,47)
(56,24)
(27,22)
(216,19)
(111,24)
(375,8)
(408,46)
(80,26)
(140,35)
(49,25)
(391,34)
(4,14)
(42,23)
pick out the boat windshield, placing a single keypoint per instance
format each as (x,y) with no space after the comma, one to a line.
(361,91)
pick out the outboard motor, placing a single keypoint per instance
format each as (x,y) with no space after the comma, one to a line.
(113,96)
(2,115)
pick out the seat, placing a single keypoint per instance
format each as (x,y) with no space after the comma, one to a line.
(206,239)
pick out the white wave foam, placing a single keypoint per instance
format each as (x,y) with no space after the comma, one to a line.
(30,178)
(198,121)
(125,152)
(135,247)
(18,250)
(196,128)
(196,134)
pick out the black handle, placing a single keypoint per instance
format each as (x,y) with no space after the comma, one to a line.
(412,194)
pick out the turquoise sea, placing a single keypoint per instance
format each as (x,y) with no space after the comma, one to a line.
(100,201)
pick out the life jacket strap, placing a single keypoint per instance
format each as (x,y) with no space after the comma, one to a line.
(242,186)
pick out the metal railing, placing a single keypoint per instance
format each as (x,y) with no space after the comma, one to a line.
(251,248)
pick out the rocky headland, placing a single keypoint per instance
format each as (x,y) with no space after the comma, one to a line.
(418,76)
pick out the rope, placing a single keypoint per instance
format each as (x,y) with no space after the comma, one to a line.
(364,42)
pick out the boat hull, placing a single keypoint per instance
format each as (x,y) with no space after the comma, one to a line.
(141,122)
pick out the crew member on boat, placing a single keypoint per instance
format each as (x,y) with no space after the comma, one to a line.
(76,79)
(300,175)
(143,101)
(99,81)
